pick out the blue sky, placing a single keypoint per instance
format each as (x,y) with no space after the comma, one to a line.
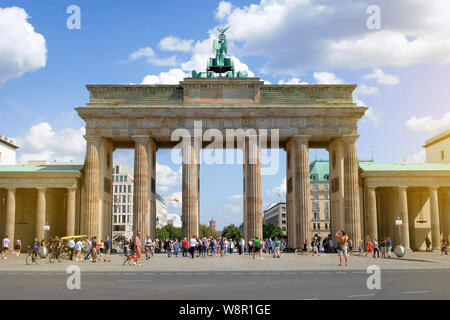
(402,70)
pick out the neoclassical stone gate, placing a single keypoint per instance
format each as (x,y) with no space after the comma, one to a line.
(143,118)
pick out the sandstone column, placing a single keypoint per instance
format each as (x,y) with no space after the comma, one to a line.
(70,226)
(302,190)
(141,213)
(371,213)
(252,189)
(40,213)
(435,225)
(190,184)
(351,190)
(403,208)
(91,224)
(11,214)
(152,148)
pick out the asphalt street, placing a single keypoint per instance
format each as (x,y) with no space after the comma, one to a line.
(245,285)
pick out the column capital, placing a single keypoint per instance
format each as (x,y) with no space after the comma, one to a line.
(433,188)
(92,139)
(301,138)
(71,188)
(402,188)
(349,138)
(141,138)
(41,189)
(371,187)
(13,189)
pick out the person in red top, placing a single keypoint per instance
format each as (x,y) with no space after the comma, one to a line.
(137,247)
(185,245)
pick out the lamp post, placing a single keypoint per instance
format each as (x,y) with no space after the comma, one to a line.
(399,249)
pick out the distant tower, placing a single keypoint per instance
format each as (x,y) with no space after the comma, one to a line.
(212,224)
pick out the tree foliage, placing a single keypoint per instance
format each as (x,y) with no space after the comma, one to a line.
(232,232)
(162,233)
(168,231)
(272,231)
(207,232)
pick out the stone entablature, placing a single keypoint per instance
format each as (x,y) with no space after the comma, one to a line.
(220,92)
(39,180)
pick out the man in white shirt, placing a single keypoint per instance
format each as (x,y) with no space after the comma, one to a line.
(78,248)
(192,245)
(71,247)
(5,244)
(88,249)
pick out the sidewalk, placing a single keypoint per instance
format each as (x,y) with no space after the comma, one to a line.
(234,262)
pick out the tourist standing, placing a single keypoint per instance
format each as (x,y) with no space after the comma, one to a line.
(369,247)
(350,246)
(241,246)
(71,247)
(5,245)
(388,247)
(17,246)
(108,246)
(192,245)
(444,246)
(250,246)
(361,247)
(258,247)
(342,239)
(185,247)
(88,249)
(376,249)
(305,247)
(383,248)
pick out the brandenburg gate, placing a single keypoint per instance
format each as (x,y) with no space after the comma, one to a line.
(144,117)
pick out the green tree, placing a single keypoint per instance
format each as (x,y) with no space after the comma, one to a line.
(207,232)
(162,233)
(174,233)
(232,232)
(272,231)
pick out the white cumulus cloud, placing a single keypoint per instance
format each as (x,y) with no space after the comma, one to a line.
(21,48)
(172,43)
(362,89)
(327,78)
(429,124)
(42,142)
(381,77)
(234,203)
(173,76)
(223,10)
(419,157)
(150,56)
(166,178)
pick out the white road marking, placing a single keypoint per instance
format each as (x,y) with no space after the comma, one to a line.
(114,273)
(219,273)
(12,273)
(290,273)
(361,295)
(201,273)
(413,292)
(311,299)
(45,273)
(358,272)
(238,273)
(341,272)
(149,274)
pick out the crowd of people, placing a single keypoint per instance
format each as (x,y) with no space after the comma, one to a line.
(93,249)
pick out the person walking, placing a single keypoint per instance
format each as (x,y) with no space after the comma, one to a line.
(5,246)
(342,239)
(88,249)
(350,246)
(78,249)
(360,248)
(369,247)
(258,248)
(17,246)
(277,248)
(376,249)
(314,247)
(137,248)
(71,247)
(305,247)
(383,248)
(444,246)
(94,249)
(250,246)
(126,247)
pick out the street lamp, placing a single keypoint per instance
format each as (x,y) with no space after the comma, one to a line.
(399,249)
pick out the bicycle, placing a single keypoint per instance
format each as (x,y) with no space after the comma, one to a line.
(32,256)
(148,253)
(56,255)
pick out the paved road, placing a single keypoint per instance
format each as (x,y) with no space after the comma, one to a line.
(245,285)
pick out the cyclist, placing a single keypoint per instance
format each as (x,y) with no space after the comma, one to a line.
(148,246)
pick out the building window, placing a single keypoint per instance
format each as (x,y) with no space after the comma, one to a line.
(314,226)
(115,199)
(129,188)
(327,177)
(125,178)
(326,196)
(283,221)
(124,198)
(314,177)
(123,218)
(318,226)
(316,216)
(124,210)
(115,188)
(316,206)
(315,196)
(129,211)
(129,199)
(128,219)
(326,205)
(283,215)
(117,169)
(115,219)
(316,187)
(326,216)
(115,211)
(121,178)
(284,229)
(325,187)
(326,226)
